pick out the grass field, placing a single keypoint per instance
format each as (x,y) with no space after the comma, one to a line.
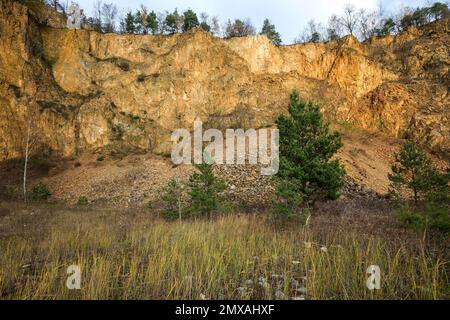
(134,255)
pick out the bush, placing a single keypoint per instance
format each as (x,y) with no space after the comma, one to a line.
(82,201)
(288,207)
(431,216)
(40,192)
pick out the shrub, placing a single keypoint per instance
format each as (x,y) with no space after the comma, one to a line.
(82,201)
(288,206)
(205,191)
(431,216)
(40,192)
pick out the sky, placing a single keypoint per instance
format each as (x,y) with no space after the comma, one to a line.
(289,16)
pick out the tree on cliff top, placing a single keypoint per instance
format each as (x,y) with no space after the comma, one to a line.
(190,20)
(269,31)
(173,22)
(239,28)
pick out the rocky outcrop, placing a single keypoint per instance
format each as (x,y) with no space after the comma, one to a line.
(92,91)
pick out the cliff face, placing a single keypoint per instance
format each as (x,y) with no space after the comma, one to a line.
(90,91)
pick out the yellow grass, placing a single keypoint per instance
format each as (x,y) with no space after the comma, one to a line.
(135,256)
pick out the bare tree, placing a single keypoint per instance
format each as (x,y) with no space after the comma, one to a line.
(215,26)
(96,21)
(334,28)
(161,19)
(350,19)
(369,22)
(109,14)
(313,32)
(30,142)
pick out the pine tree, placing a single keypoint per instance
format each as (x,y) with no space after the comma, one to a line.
(205,190)
(190,20)
(269,31)
(414,171)
(172,22)
(306,151)
(127,25)
(152,22)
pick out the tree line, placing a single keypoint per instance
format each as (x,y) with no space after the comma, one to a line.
(353,21)
(365,24)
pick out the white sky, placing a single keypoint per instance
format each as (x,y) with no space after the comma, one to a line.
(289,16)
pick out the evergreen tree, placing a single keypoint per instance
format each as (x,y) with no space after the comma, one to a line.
(439,10)
(414,171)
(127,25)
(152,22)
(205,190)
(387,28)
(172,22)
(269,31)
(190,20)
(306,150)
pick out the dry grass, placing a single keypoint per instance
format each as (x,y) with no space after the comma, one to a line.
(132,255)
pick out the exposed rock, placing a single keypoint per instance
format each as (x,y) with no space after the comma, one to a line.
(97,91)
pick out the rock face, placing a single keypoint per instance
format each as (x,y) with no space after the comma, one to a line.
(86,91)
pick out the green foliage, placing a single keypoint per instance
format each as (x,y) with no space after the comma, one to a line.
(82,201)
(288,206)
(128,23)
(439,10)
(414,171)
(431,216)
(172,22)
(387,28)
(173,199)
(205,191)
(205,26)
(269,31)
(190,20)
(152,22)
(306,151)
(239,28)
(40,192)
(424,15)
(315,37)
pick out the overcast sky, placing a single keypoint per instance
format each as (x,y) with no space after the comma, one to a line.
(289,16)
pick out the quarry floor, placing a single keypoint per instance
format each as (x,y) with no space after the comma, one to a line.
(137,179)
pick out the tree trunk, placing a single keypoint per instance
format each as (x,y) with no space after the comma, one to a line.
(27,148)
